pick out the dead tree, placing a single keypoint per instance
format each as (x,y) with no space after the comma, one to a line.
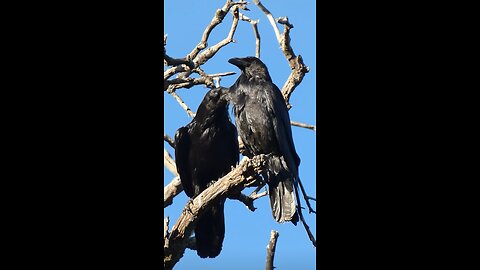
(178,75)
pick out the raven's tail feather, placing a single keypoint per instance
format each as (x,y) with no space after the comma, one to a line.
(210,231)
(281,190)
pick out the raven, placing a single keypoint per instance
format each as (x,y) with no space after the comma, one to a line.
(263,124)
(205,150)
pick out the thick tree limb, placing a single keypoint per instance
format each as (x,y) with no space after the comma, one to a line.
(272,244)
(234,182)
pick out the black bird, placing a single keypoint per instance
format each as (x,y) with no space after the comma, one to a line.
(205,150)
(263,124)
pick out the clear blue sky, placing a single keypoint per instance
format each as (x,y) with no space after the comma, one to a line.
(247,233)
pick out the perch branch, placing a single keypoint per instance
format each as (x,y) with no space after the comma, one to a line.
(272,244)
(234,182)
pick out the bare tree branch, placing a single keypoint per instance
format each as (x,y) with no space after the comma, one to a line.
(182,104)
(175,186)
(248,200)
(210,52)
(171,190)
(296,62)
(169,162)
(169,140)
(232,183)
(255,32)
(195,59)
(170,61)
(298,124)
(188,82)
(270,18)
(300,213)
(272,244)
(246,173)
(216,20)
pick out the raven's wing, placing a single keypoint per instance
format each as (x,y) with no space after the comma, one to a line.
(281,125)
(182,150)
(234,148)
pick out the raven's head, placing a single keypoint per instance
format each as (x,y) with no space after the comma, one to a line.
(252,67)
(214,101)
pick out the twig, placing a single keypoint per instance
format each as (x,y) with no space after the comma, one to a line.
(299,210)
(270,18)
(169,140)
(298,124)
(234,182)
(307,198)
(248,200)
(255,32)
(272,244)
(182,104)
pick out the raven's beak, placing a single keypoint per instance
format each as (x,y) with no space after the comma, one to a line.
(239,62)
